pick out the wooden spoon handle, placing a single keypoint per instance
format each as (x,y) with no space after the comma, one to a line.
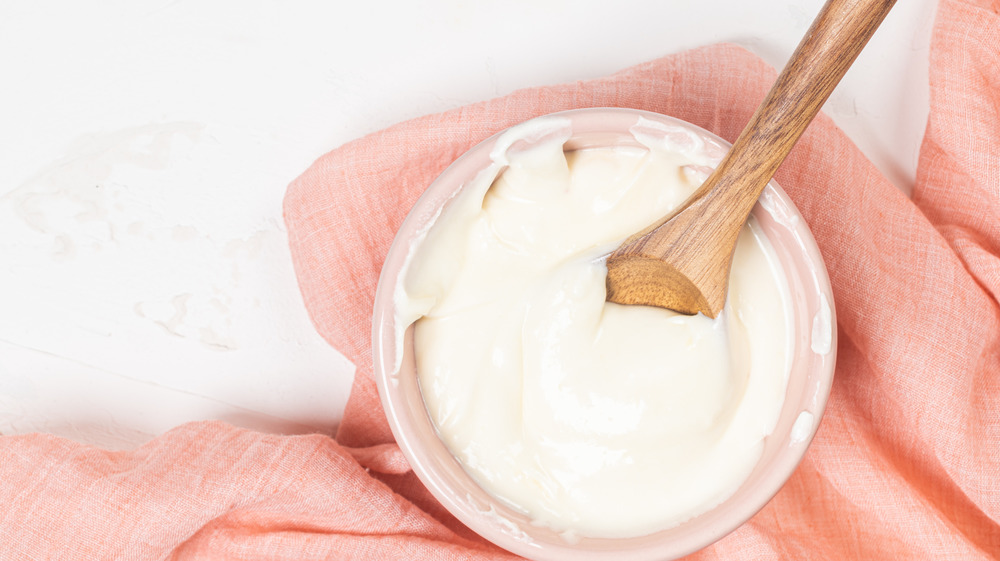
(838,34)
(682,262)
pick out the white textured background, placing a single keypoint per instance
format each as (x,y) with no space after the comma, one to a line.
(145,146)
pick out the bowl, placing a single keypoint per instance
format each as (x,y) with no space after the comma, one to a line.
(810,377)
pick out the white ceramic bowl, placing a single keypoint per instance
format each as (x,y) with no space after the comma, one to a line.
(808,387)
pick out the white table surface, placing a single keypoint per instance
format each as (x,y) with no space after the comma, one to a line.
(145,147)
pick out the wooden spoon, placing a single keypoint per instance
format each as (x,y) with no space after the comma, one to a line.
(682,262)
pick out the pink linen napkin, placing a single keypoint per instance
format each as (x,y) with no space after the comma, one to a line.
(906,464)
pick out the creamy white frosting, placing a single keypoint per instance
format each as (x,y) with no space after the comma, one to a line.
(592,418)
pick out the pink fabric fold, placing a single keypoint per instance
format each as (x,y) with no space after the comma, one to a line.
(906,464)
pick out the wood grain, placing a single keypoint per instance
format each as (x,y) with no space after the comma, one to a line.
(682,262)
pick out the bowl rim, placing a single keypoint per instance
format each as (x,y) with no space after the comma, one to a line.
(482,521)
